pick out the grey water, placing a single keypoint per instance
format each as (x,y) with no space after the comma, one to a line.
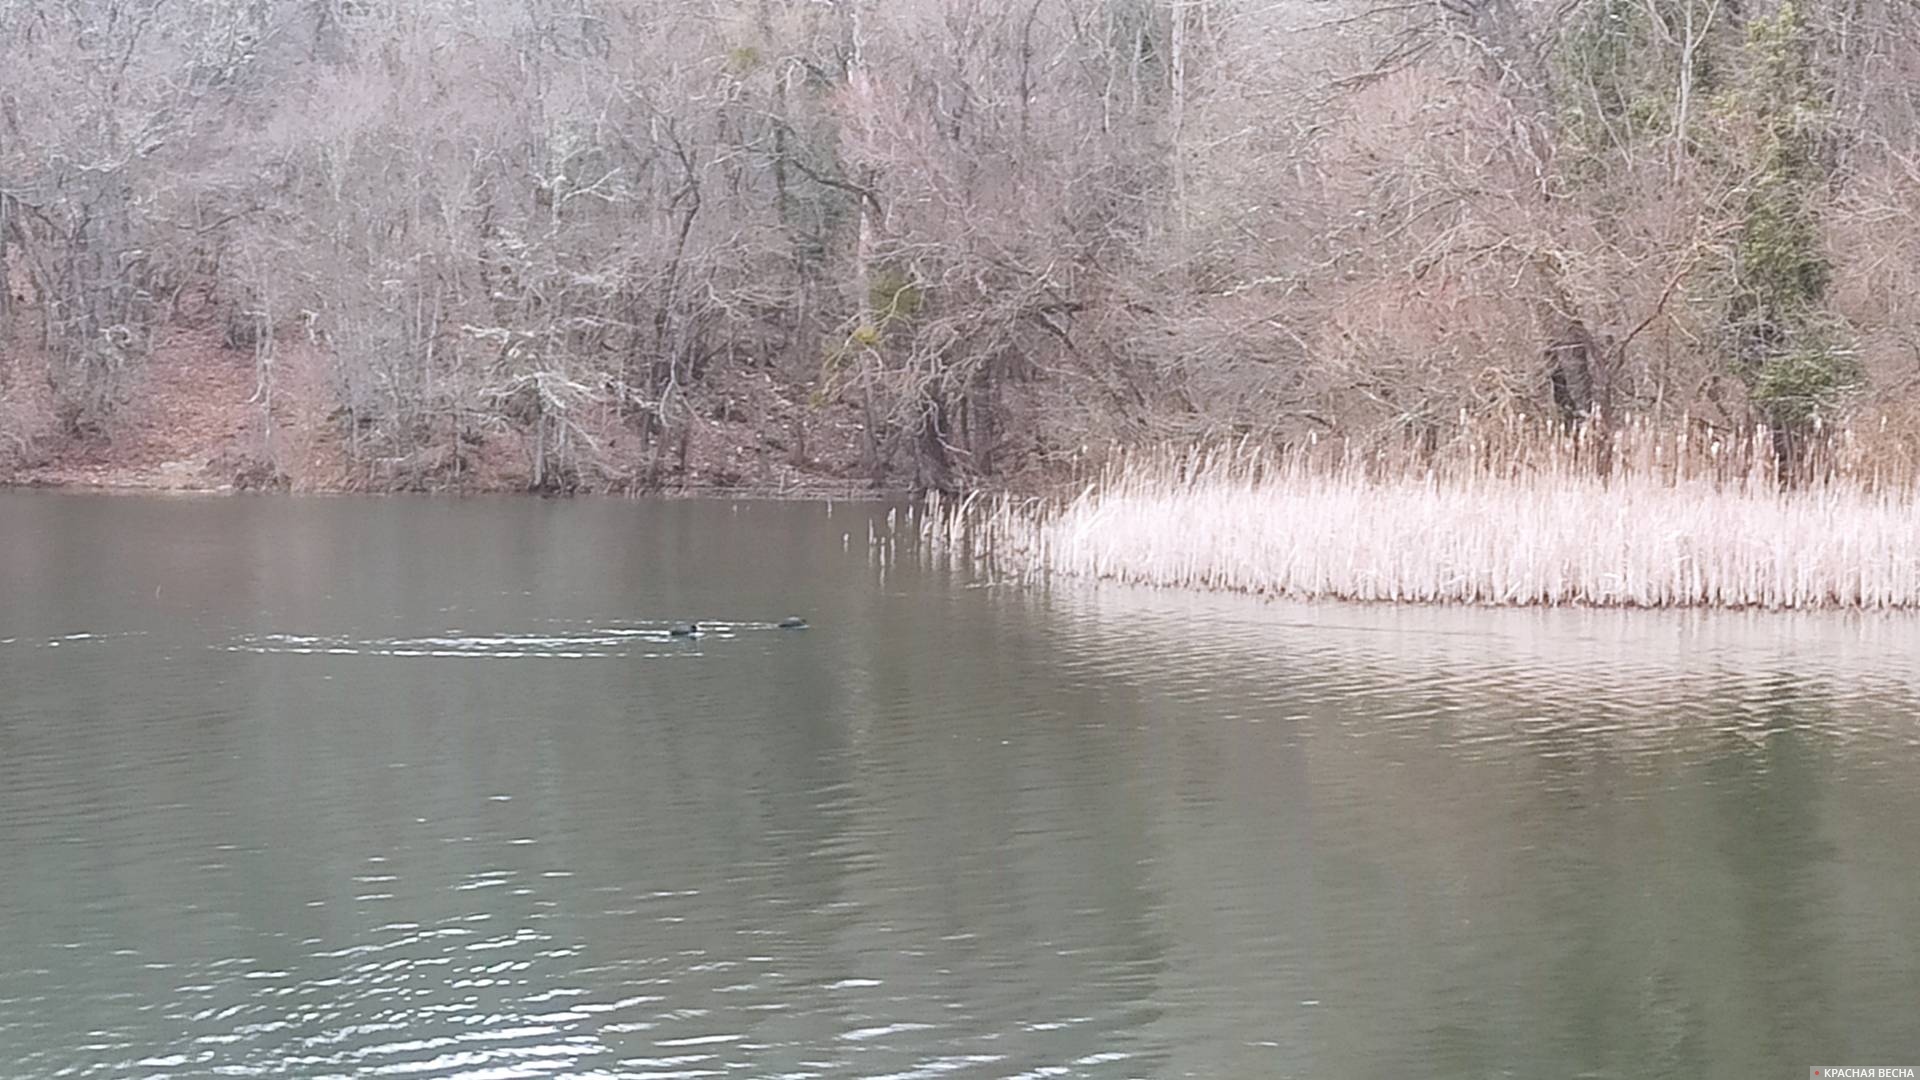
(423,788)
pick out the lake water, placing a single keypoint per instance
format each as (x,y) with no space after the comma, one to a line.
(338,787)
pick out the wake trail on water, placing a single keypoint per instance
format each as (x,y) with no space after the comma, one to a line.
(66,640)
(644,641)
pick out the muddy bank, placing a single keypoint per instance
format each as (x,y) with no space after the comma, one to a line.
(199,416)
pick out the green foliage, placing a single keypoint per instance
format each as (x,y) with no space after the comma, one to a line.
(1804,381)
(893,297)
(894,294)
(1783,341)
(1615,75)
(742,59)
(1782,272)
(1759,124)
(1783,84)
(1609,83)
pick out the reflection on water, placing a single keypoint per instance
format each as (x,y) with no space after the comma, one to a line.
(262,813)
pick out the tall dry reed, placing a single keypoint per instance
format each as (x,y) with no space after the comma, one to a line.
(1635,516)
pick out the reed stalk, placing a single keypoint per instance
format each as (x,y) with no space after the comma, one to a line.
(1636,516)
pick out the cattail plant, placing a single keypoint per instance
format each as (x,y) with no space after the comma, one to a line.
(1516,513)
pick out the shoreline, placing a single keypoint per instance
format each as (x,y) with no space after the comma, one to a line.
(852,492)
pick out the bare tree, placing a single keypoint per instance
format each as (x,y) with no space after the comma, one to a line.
(947,239)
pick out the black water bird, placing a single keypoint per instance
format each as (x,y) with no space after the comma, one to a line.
(793,622)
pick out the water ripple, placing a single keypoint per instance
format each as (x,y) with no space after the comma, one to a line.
(967,831)
(622,642)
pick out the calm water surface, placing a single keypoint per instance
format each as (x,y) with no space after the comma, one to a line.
(416,788)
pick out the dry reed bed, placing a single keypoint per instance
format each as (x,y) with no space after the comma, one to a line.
(1633,520)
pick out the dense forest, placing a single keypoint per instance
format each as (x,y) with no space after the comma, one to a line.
(596,245)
